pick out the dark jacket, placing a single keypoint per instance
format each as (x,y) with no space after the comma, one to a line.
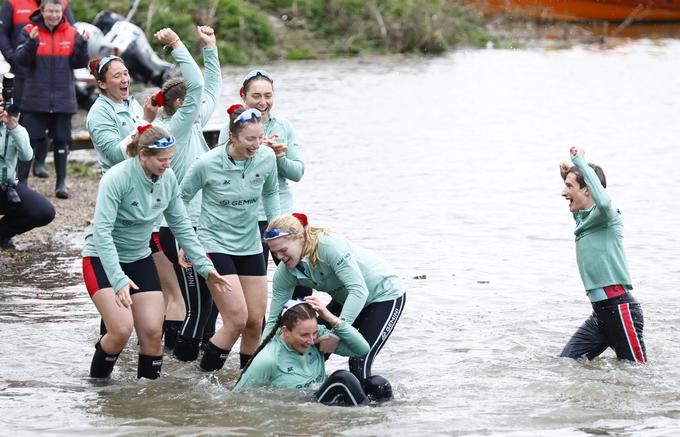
(14,15)
(49,61)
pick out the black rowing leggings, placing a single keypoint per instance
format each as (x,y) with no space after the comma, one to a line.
(196,294)
(615,323)
(342,388)
(375,323)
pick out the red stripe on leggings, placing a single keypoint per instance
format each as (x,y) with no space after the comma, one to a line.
(157,241)
(633,342)
(90,277)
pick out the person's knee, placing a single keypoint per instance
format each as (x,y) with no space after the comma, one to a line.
(118,333)
(44,215)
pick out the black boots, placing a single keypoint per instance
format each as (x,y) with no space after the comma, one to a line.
(378,388)
(244,358)
(39,155)
(213,357)
(170,330)
(186,348)
(102,362)
(149,367)
(60,163)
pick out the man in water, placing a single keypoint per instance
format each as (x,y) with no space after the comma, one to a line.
(616,320)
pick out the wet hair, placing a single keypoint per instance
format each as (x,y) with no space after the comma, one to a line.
(236,128)
(141,141)
(93,66)
(172,90)
(289,319)
(579,177)
(291,224)
(257,77)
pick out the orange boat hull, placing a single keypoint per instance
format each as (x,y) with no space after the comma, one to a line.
(583,10)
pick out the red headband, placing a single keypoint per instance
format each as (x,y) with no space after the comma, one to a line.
(301,217)
(93,65)
(160,98)
(142,129)
(232,108)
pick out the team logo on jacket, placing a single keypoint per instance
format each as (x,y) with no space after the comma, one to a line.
(135,203)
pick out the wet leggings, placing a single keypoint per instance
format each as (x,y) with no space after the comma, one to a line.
(342,388)
(196,294)
(33,211)
(375,323)
(615,323)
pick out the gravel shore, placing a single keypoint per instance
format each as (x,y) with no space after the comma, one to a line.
(59,241)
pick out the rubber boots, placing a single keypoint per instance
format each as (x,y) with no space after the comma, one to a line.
(102,362)
(40,153)
(60,163)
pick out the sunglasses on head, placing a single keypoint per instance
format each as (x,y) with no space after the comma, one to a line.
(248,115)
(275,233)
(105,60)
(253,74)
(163,143)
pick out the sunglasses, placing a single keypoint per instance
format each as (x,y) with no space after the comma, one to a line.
(163,143)
(248,115)
(253,74)
(290,303)
(275,233)
(105,60)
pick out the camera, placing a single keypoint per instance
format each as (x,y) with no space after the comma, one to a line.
(8,95)
(10,189)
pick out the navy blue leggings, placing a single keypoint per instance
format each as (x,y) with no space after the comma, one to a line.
(615,323)
(375,323)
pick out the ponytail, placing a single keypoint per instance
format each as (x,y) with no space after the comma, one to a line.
(288,318)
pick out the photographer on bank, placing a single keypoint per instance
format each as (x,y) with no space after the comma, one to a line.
(21,209)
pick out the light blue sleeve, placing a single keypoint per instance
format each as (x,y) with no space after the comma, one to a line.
(270,193)
(290,165)
(595,188)
(103,129)
(19,135)
(111,191)
(184,117)
(339,257)
(192,182)
(259,372)
(178,221)
(213,84)
(283,285)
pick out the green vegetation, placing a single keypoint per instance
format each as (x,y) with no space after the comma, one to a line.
(261,30)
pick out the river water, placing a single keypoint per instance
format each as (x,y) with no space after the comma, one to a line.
(449,168)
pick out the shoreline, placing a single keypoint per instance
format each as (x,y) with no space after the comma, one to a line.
(28,265)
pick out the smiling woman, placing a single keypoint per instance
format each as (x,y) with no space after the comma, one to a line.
(117,264)
(291,356)
(235,178)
